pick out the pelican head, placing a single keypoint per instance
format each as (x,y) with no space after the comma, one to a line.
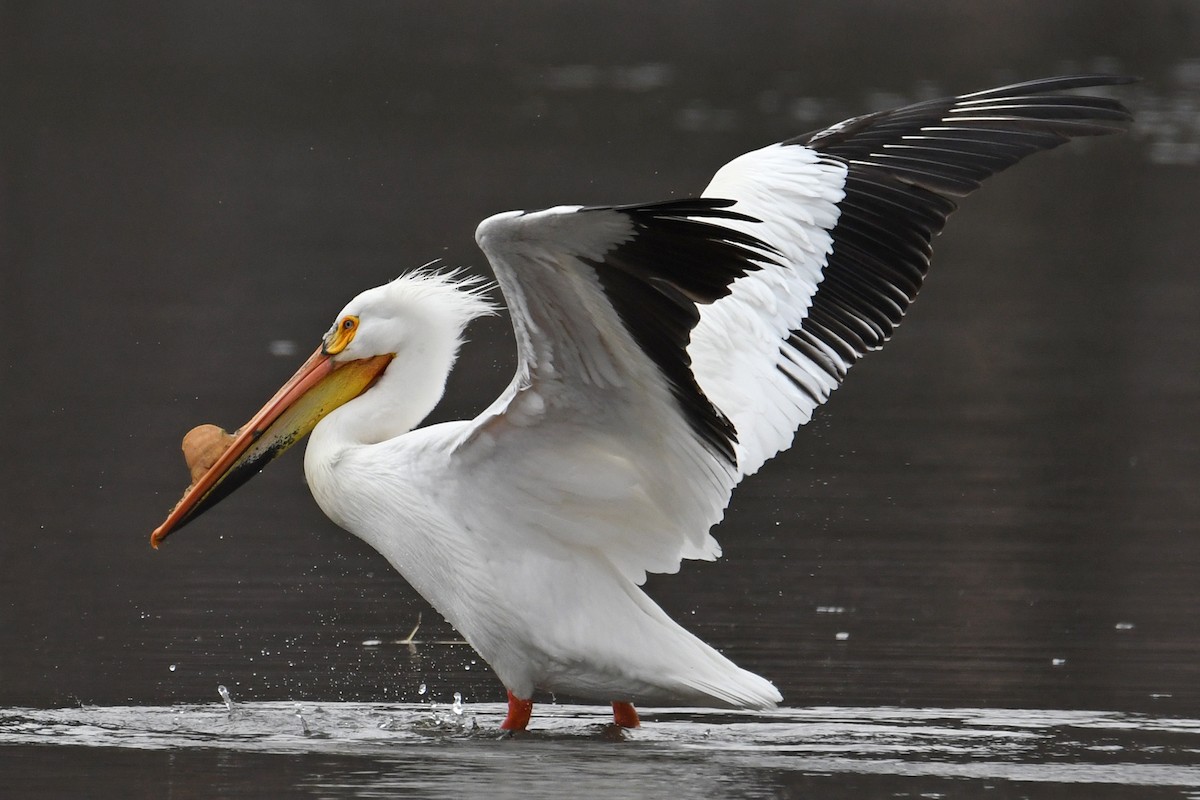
(411,327)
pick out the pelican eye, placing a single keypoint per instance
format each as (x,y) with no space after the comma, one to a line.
(341,336)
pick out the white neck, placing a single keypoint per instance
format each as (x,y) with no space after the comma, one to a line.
(406,392)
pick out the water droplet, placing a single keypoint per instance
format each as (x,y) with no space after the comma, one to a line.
(457,708)
(422,689)
(842,636)
(1124,626)
(224,692)
(1057,662)
(372,642)
(172,668)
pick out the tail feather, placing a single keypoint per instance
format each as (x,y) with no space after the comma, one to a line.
(750,691)
(715,676)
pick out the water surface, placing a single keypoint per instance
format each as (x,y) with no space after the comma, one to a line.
(434,750)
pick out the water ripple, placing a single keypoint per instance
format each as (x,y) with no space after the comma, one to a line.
(416,745)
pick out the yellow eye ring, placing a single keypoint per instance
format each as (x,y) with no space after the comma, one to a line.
(337,339)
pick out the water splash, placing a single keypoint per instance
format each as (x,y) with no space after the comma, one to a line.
(303,724)
(224,692)
(452,718)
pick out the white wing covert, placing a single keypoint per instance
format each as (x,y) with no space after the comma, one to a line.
(667,350)
(604,421)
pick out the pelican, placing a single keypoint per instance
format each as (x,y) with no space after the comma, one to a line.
(665,352)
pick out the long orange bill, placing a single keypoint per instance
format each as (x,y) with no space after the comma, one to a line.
(317,388)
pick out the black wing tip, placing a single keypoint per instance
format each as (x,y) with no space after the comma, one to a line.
(1056,83)
(693,211)
(1111,116)
(904,166)
(710,207)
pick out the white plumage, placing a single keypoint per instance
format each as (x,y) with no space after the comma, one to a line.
(665,351)
(739,337)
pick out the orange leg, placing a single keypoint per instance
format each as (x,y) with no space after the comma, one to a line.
(625,715)
(519,712)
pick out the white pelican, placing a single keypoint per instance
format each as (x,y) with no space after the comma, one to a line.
(665,352)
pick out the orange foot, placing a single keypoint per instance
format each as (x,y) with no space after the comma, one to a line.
(519,712)
(625,715)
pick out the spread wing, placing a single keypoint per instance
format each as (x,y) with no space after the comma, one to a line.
(667,350)
(853,210)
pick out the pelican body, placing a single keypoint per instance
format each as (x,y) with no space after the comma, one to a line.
(665,352)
